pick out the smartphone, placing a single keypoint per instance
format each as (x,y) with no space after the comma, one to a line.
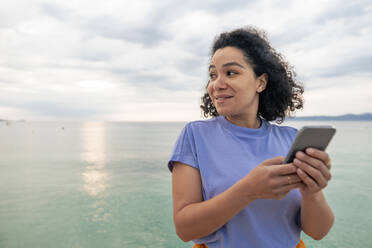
(310,136)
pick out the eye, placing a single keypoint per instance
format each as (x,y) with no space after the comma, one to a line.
(212,75)
(231,73)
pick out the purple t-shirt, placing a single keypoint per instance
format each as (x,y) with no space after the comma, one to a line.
(224,153)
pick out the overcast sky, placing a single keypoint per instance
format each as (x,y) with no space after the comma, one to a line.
(147,60)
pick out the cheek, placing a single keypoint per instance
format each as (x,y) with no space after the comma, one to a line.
(210,89)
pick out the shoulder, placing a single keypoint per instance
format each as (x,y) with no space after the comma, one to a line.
(202,130)
(281,131)
(202,125)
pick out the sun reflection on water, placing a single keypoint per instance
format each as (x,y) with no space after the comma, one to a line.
(93,153)
(95,176)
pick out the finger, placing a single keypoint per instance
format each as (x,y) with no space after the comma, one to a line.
(289,179)
(287,188)
(308,181)
(316,163)
(273,161)
(313,173)
(321,155)
(329,164)
(284,169)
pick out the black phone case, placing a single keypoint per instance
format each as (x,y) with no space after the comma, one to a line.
(310,136)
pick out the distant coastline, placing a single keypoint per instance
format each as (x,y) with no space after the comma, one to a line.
(12,120)
(346,117)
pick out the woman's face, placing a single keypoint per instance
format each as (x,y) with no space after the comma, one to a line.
(233,85)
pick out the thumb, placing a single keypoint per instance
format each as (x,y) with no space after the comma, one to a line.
(273,161)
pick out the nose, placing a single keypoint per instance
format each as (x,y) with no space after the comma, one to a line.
(219,83)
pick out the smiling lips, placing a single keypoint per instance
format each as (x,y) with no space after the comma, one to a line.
(222,98)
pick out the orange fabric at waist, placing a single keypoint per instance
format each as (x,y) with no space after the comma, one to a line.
(300,244)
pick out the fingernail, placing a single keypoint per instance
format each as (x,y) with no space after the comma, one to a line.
(297,161)
(310,150)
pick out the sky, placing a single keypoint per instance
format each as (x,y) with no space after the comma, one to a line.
(148,60)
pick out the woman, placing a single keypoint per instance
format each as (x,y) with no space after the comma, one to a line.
(229,186)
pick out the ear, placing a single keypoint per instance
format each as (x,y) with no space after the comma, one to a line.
(262,82)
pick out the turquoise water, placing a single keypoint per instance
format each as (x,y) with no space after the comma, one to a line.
(99,184)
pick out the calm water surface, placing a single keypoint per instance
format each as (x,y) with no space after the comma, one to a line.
(99,184)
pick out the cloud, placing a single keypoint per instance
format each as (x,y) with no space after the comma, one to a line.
(344,10)
(136,23)
(351,96)
(360,65)
(109,27)
(106,59)
(59,12)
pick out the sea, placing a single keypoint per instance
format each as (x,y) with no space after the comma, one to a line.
(106,184)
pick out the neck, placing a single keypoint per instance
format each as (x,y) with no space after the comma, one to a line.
(253,122)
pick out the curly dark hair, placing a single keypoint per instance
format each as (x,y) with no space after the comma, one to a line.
(283,93)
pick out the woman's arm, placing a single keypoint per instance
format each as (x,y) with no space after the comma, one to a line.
(314,169)
(316,216)
(195,218)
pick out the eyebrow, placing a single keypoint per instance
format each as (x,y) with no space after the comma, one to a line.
(227,64)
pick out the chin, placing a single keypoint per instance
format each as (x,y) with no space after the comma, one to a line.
(223,112)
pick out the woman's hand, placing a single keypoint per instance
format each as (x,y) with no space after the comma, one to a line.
(313,169)
(271,179)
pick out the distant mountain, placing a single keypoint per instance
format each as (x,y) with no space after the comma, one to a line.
(347,117)
(13,120)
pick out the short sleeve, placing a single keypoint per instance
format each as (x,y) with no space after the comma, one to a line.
(184,150)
